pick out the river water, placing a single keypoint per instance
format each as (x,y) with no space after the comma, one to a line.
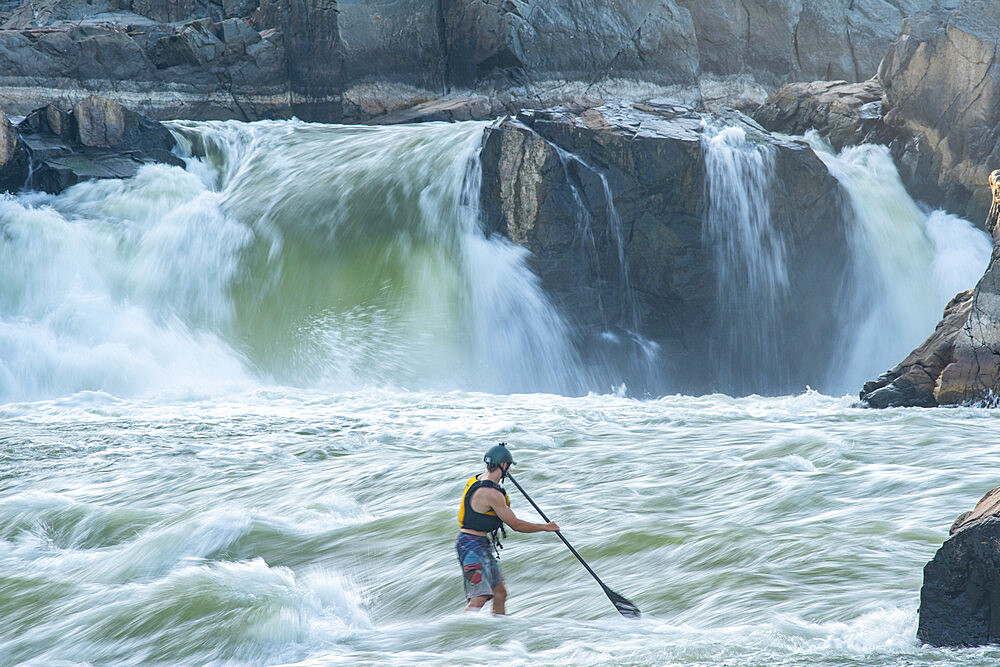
(239,402)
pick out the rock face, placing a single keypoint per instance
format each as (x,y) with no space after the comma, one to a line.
(846,113)
(960,362)
(610,200)
(942,90)
(335,60)
(790,40)
(13,157)
(199,69)
(99,138)
(960,597)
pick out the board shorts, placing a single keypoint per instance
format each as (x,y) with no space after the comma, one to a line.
(480,570)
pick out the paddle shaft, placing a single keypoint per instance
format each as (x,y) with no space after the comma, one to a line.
(561,537)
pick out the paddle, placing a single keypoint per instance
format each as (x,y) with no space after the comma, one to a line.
(624,606)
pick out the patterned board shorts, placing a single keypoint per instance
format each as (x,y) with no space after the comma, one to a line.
(480,570)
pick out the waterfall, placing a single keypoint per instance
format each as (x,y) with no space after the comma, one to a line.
(309,255)
(749,257)
(906,264)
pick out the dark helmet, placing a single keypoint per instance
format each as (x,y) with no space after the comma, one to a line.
(498,454)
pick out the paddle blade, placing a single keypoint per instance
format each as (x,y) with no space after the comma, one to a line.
(624,606)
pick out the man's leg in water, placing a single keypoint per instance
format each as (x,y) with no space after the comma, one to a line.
(499,598)
(476,603)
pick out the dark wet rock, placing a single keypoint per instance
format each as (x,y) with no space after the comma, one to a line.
(310,37)
(960,596)
(13,157)
(845,113)
(99,138)
(960,362)
(544,176)
(942,88)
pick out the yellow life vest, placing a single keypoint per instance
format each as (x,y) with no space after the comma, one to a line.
(486,522)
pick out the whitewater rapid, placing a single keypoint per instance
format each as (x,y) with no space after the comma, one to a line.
(293,527)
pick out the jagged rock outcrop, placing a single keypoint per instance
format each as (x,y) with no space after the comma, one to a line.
(13,157)
(547,177)
(942,91)
(960,596)
(960,362)
(335,60)
(98,138)
(847,114)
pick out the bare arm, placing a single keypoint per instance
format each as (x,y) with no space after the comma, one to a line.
(505,514)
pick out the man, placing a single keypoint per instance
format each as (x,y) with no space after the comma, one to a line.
(484,509)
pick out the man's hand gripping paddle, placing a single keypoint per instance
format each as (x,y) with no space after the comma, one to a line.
(625,607)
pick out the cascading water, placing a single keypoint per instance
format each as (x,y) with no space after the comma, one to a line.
(752,279)
(301,254)
(907,264)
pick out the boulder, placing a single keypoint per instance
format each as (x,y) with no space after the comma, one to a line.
(960,596)
(942,92)
(99,138)
(104,123)
(845,113)
(610,200)
(196,44)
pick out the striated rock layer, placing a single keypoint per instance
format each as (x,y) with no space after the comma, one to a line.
(960,596)
(610,200)
(334,60)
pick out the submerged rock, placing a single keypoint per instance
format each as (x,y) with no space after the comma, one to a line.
(960,596)
(846,113)
(960,362)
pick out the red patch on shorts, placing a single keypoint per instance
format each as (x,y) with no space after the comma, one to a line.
(473,574)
